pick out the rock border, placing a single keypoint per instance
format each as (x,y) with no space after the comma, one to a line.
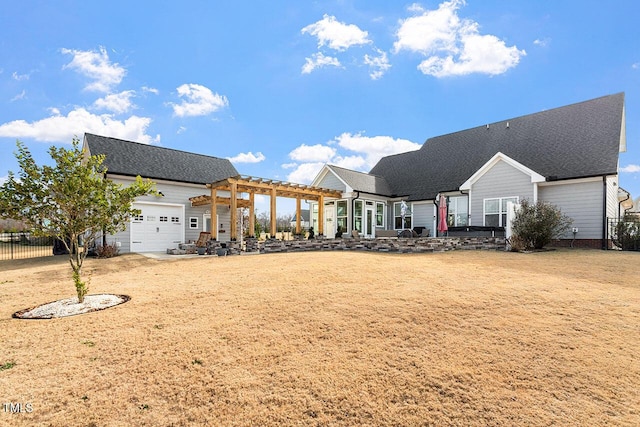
(70,307)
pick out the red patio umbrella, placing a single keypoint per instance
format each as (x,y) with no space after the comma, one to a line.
(442,215)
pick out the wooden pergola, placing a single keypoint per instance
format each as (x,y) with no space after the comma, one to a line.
(252,186)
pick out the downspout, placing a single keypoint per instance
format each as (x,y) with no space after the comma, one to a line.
(604,212)
(620,205)
(435,224)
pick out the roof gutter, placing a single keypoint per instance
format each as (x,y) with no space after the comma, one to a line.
(620,202)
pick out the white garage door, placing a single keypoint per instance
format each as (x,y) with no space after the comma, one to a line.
(157,228)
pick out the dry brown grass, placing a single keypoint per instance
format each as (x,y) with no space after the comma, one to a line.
(342,338)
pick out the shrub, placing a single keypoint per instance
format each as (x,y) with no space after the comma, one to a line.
(627,233)
(107,251)
(535,225)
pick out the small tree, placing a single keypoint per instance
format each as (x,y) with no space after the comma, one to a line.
(535,225)
(72,200)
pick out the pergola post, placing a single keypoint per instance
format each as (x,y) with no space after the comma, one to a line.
(214,214)
(297,215)
(273,213)
(234,211)
(252,215)
(321,215)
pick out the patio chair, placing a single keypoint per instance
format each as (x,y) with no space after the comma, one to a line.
(203,242)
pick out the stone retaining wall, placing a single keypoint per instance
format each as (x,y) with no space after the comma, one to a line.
(391,244)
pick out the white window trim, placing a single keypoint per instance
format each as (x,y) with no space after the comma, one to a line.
(484,208)
(410,206)
(363,210)
(192,223)
(457,199)
(384,216)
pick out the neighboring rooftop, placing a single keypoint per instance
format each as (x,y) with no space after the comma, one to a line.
(150,161)
(575,141)
(360,181)
(304,216)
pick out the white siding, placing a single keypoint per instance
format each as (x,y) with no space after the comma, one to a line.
(613,209)
(581,201)
(175,193)
(424,215)
(332,182)
(502,180)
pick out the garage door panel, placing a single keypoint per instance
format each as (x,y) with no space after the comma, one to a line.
(157,228)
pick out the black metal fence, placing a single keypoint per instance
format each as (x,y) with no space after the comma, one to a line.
(24,245)
(624,233)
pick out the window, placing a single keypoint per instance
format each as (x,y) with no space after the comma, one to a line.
(314,216)
(175,220)
(397,216)
(163,219)
(495,211)
(341,215)
(458,211)
(193,222)
(151,218)
(138,218)
(357,216)
(379,214)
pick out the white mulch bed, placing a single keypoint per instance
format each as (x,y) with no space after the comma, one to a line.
(71,307)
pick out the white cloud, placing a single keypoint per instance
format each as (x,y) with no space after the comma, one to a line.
(248,158)
(150,90)
(379,64)
(181,129)
(20,77)
(369,150)
(58,128)
(97,67)
(198,100)
(305,172)
(19,96)
(453,46)
(542,42)
(312,153)
(356,163)
(336,35)
(375,147)
(429,31)
(630,169)
(118,102)
(3,179)
(635,66)
(319,60)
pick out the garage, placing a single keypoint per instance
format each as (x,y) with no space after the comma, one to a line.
(157,227)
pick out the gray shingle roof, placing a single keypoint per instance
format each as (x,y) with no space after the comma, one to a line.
(304,215)
(149,161)
(360,181)
(575,141)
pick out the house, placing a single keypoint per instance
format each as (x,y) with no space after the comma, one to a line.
(304,220)
(567,156)
(169,218)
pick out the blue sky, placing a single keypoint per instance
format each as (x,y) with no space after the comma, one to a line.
(283,87)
